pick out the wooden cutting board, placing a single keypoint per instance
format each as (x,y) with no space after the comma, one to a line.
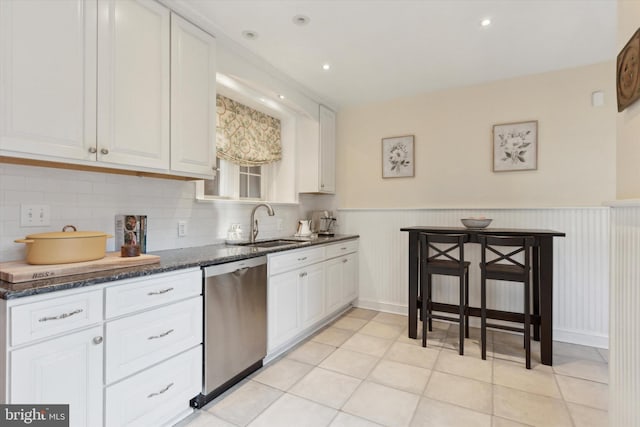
(20,271)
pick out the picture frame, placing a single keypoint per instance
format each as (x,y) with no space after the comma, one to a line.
(398,157)
(627,69)
(515,146)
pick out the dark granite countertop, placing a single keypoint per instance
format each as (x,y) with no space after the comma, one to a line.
(170,260)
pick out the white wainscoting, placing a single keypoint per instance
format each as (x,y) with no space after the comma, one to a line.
(624,353)
(581,263)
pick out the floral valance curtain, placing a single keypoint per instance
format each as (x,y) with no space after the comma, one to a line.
(246,136)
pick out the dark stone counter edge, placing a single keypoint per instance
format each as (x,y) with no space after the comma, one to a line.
(170,260)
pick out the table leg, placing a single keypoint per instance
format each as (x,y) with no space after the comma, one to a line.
(546,300)
(536,291)
(413,284)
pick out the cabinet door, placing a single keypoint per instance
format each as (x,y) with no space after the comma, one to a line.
(283,315)
(312,294)
(327,150)
(334,288)
(65,370)
(350,277)
(193,98)
(48,78)
(133,83)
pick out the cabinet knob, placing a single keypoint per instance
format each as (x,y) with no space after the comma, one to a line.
(93,150)
(97,340)
(104,151)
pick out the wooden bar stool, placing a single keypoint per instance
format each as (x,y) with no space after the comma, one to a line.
(443,261)
(505,267)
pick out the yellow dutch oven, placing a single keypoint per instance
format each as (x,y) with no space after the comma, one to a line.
(65,246)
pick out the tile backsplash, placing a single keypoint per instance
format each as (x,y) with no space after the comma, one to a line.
(91,200)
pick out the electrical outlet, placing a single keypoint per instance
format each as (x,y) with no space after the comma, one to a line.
(182,228)
(35,215)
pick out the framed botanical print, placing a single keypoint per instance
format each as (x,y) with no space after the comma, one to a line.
(398,157)
(515,146)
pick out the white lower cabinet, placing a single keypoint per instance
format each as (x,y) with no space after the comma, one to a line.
(282,309)
(312,294)
(156,396)
(65,370)
(306,288)
(95,347)
(349,277)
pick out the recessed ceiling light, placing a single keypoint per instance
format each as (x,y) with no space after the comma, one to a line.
(281,96)
(485,22)
(249,35)
(326,67)
(301,20)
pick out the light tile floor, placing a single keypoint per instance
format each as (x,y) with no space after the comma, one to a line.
(363,370)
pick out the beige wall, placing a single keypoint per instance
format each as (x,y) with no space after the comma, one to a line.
(628,163)
(453,148)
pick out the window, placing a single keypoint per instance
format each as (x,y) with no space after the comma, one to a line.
(247,142)
(250,182)
(246,170)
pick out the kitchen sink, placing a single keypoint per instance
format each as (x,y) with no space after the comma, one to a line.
(272,243)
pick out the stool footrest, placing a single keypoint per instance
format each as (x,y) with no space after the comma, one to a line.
(505,327)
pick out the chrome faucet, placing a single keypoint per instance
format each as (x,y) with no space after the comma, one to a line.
(253,228)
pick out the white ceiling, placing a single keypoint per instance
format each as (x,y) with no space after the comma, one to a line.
(382,49)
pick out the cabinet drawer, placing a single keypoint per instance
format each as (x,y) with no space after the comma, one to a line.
(138,294)
(52,316)
(158,395)
(342,248)
(295,259)
(135,342)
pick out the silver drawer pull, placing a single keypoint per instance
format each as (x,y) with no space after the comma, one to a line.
(61,316)
(163,291)
(302,259)
(344,260)
(164,334)
(303,274)
(343,249)
(97,340)
(160,392)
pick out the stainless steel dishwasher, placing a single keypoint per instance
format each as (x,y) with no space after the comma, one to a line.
(235,324)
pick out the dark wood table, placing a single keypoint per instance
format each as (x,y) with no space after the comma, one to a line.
(543,273)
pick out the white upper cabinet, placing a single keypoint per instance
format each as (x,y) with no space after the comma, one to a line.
(317,152)
(133,83)
(327,176)
(48,77)
(193,98)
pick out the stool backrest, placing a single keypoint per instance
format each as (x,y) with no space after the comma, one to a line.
(428,243)
(492,244)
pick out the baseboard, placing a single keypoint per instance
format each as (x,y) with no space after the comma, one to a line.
(582,338)
(381,306)
(573,337)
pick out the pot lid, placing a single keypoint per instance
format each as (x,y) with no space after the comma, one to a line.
(67,235)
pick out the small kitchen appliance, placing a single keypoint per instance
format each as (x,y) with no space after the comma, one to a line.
(304,228)
(324,223)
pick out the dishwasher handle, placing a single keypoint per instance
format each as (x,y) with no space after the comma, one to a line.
(232,267)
